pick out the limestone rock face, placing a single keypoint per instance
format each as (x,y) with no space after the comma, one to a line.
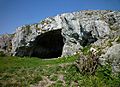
(6,43)
(112,56)
(65,34)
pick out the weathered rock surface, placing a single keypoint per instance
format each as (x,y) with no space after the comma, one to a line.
(78,29)
(68,33)
(112,56)
(6,43)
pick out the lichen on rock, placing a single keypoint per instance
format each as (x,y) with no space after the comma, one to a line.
(66,34)
(78,29)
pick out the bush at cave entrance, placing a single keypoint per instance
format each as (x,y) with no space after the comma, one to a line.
(2,54)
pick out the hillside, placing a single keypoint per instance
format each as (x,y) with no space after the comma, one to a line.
(61,72)
(68,50)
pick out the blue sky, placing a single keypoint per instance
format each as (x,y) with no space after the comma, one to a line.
(14,13)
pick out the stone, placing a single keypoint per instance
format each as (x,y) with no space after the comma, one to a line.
(6,43)
(68,32)
(112,57)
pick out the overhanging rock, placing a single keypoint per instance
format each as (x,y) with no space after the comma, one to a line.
(47,45)
(64,34)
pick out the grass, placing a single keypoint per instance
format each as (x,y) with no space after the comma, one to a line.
(16,71)
(22,72)
(32,62)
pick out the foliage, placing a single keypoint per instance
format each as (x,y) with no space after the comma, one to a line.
(86,50)
(88,60)
(87,64)
(22,72)
(2,54)
(16,71)
(109,43)
(53,77)
(118,40)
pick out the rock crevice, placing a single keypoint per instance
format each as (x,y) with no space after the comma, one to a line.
(68,32)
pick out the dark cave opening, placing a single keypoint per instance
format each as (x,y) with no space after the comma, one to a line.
(48,45)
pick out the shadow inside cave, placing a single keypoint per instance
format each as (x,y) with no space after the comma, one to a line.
(47,45)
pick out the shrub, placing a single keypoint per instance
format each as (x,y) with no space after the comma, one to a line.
(87,64)
(2,54)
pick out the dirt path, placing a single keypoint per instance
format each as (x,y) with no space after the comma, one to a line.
(44,83)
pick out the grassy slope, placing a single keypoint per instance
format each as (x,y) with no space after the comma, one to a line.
(22,72)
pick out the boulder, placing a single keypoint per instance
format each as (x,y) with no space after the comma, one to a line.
(112,57)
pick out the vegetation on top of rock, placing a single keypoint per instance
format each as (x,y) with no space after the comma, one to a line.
(118,39)
(94,36)
(2,54)
(78,29)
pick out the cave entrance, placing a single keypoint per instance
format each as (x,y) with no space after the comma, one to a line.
(48,45)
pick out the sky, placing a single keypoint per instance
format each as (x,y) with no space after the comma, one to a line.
(15,13)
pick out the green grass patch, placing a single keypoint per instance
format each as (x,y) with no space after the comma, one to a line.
(16,71)
(22,72)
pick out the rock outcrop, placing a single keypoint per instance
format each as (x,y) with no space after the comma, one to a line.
(76,29)
(67,34)
(112,56)
(6,43)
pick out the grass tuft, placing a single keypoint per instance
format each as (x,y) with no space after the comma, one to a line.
(22,72)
